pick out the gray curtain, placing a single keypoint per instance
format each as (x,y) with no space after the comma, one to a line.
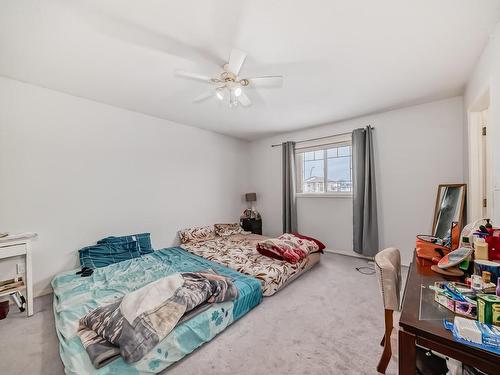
(365,228)
(289,189)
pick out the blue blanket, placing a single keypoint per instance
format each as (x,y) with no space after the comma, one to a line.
(74,296)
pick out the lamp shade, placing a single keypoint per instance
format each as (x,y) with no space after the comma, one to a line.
(251,197)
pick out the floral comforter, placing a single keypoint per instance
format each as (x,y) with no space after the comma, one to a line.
(239,253)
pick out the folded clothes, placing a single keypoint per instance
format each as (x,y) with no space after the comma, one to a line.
(287,247)
(143,241)
(134,324)
(104,254)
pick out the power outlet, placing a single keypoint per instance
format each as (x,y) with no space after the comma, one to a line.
(20,268)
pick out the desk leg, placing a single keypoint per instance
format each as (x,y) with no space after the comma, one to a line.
(29,281)
(407,354)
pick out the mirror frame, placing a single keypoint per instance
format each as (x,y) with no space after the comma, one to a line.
(462,206)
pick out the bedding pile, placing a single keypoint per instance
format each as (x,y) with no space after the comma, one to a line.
(133,325)
(75,297)
(287,247)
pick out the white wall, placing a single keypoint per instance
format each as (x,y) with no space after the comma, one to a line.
(416,148)
(486,76)
(75,171)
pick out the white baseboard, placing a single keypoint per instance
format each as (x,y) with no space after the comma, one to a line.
(42,292)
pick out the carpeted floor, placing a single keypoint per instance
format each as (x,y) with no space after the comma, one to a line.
(329,321)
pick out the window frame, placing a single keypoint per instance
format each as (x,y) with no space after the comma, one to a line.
(325,147)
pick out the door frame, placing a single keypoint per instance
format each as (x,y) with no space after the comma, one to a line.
(480,159)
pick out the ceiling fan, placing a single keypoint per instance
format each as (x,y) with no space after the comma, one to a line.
(228,84)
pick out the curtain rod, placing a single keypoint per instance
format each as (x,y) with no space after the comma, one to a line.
(319,138)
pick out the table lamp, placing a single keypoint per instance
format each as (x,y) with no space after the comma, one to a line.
(251,198)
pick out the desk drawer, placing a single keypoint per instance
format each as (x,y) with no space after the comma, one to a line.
(12,251)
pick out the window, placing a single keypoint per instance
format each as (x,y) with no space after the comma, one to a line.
(325,170)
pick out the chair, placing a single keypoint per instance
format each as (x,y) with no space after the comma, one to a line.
(388,270)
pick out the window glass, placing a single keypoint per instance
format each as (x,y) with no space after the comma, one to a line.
(313,176)
(336,162)
(332,153)
(309,155)
(344,151)
(339,175)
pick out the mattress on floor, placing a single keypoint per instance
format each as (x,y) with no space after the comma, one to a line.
(74,296)
(239,253)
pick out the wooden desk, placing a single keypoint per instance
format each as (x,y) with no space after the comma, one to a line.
(421,323)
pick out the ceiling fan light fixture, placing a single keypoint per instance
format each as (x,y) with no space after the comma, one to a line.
(233,100)
(228,86)
(219,93)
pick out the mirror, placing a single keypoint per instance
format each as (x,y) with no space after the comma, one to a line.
(450,204)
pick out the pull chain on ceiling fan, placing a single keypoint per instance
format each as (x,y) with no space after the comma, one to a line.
(228,84)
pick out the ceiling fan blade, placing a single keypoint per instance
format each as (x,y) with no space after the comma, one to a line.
(236,61)
(203,96)
(244,100)
(196,76)
(266,81)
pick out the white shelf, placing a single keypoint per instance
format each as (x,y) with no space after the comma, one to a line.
(20,244)
(13,290)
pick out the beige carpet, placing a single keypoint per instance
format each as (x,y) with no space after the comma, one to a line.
(329,321)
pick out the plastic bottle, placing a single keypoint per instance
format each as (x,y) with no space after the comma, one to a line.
(480,249)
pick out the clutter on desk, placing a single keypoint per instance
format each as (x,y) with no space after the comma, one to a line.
(454,263)
(475,257)
(493,268)
(474,333)
(478,241)
(434,248)
(484,238)
(473,300)
(488,309)
(473,252)
(457,297)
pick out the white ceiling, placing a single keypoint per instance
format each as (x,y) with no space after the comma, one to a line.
(340,59)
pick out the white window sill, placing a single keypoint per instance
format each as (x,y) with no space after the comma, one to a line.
(324,195)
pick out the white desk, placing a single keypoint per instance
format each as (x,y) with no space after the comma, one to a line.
(19,247)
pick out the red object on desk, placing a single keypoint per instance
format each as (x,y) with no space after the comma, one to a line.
(493,242)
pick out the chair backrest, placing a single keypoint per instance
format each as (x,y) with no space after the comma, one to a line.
(388,269)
